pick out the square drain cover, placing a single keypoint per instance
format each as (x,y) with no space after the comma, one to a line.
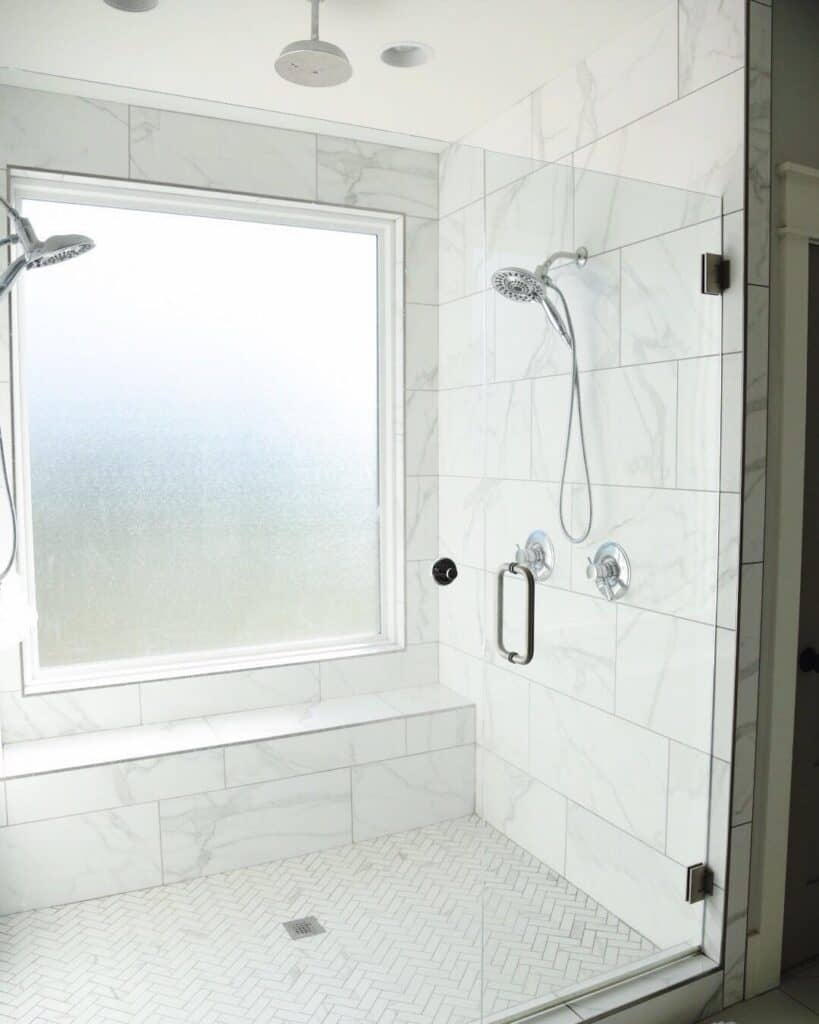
(303,927)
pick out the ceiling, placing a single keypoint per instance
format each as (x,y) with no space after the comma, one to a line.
(488,53)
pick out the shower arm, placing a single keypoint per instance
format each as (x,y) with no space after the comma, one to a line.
(578,256)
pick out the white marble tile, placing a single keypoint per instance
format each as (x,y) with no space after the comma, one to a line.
(290,756)
(421,245)
(421,425)
(719,813)
(346,677)
(11,672)
(464,675)
(712,41)
(461,260)
(445,729)
(759,143)
(699,402)
(665,672)
(728,583)
(611,767)
(507,139)
(99,854)
(593,295)
(627,78)
(213,832)
(62,133)
(736,924)
(502,169)
(724,693)
(504,721)
(514,509)
(671,539)
(733,300)
(747,695)
(531,814)
(629,416)
(732,422)
(520,343)
(756,426)
(689,773)
(211,153)
(421,339)
(527,221)
(422,789)
(422,700)
(461,342)
(61,714)
(460,177)
(462,504)
(462,431)
(463,612)
(422,603)
(172,699)
(3,812)
(630,879)
(421,498)
(509,430)
(665,315)
(376,177)
(113,785)
(694,144)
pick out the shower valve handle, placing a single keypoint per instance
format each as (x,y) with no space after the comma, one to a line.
(610,571)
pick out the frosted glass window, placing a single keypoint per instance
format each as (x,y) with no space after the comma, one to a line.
(201,407)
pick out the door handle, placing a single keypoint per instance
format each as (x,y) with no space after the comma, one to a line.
(516,569)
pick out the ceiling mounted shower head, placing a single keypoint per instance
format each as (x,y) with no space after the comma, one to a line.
(312,61)
(55,249)
(133,6)
(517,284)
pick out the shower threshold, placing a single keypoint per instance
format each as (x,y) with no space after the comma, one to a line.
(448,923)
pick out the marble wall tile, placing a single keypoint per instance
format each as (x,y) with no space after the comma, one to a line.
(756,427)
(62,133)
(724,693)
(728,585)
(3,813)
(421,341)
(63,714)
(463,674)
(629,415)
(689,784)
(609,766)
(461,342)
(113,785)
(421,254)
(531,814)
(747,693)
(421,425)
(421,498)
(737,914)
(462,503)
(422,603)
(233,828)
(246,763)
(665,672)
(593,295)
(463,612)
(99,854)
(759,143)
(348,677)
(712,41)
(637,883)
(461,260)
(445,729)
(509,430)
(694,144)
(665,316)
(733,300)
(460,177)
(394,796)
(172,699)
(719,814)
(519,341)
(504,721)
(462,431)
(507,139)
(208,152)
(732,422)
(671,539)
(376,177)
(699,402)
(627,78)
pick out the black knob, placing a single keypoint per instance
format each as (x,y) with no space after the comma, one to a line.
(809,660)
(445,571)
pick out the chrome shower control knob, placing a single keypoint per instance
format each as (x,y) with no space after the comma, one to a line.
(538,555)
(610,570)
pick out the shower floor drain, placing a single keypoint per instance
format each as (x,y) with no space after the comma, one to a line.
(302,927)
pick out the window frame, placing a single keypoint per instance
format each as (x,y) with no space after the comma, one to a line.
(388,227)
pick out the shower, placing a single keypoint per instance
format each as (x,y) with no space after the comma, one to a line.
(521,285)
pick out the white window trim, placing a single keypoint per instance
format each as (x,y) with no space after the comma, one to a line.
(389,229)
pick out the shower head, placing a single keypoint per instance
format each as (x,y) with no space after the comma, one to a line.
(36,253)
(517,284)
(311,61)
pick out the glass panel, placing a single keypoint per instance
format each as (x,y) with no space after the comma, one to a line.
(199,480)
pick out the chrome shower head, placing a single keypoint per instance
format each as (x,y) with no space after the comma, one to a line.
(517,284)
(55,249)
(313,62)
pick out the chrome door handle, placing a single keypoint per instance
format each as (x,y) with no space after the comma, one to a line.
(516,569)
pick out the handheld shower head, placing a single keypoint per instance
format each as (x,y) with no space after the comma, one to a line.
(517,284)
(36,253)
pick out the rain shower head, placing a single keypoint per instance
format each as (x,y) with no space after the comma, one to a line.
(55,249)
(312,61)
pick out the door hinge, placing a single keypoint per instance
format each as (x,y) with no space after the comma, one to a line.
(715,274)
(699,883)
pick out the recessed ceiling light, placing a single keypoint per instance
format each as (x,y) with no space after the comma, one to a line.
(133,5)
(406,55)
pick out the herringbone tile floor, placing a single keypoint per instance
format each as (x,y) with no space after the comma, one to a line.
(404,916)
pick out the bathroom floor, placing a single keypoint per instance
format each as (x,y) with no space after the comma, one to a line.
(404,917)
